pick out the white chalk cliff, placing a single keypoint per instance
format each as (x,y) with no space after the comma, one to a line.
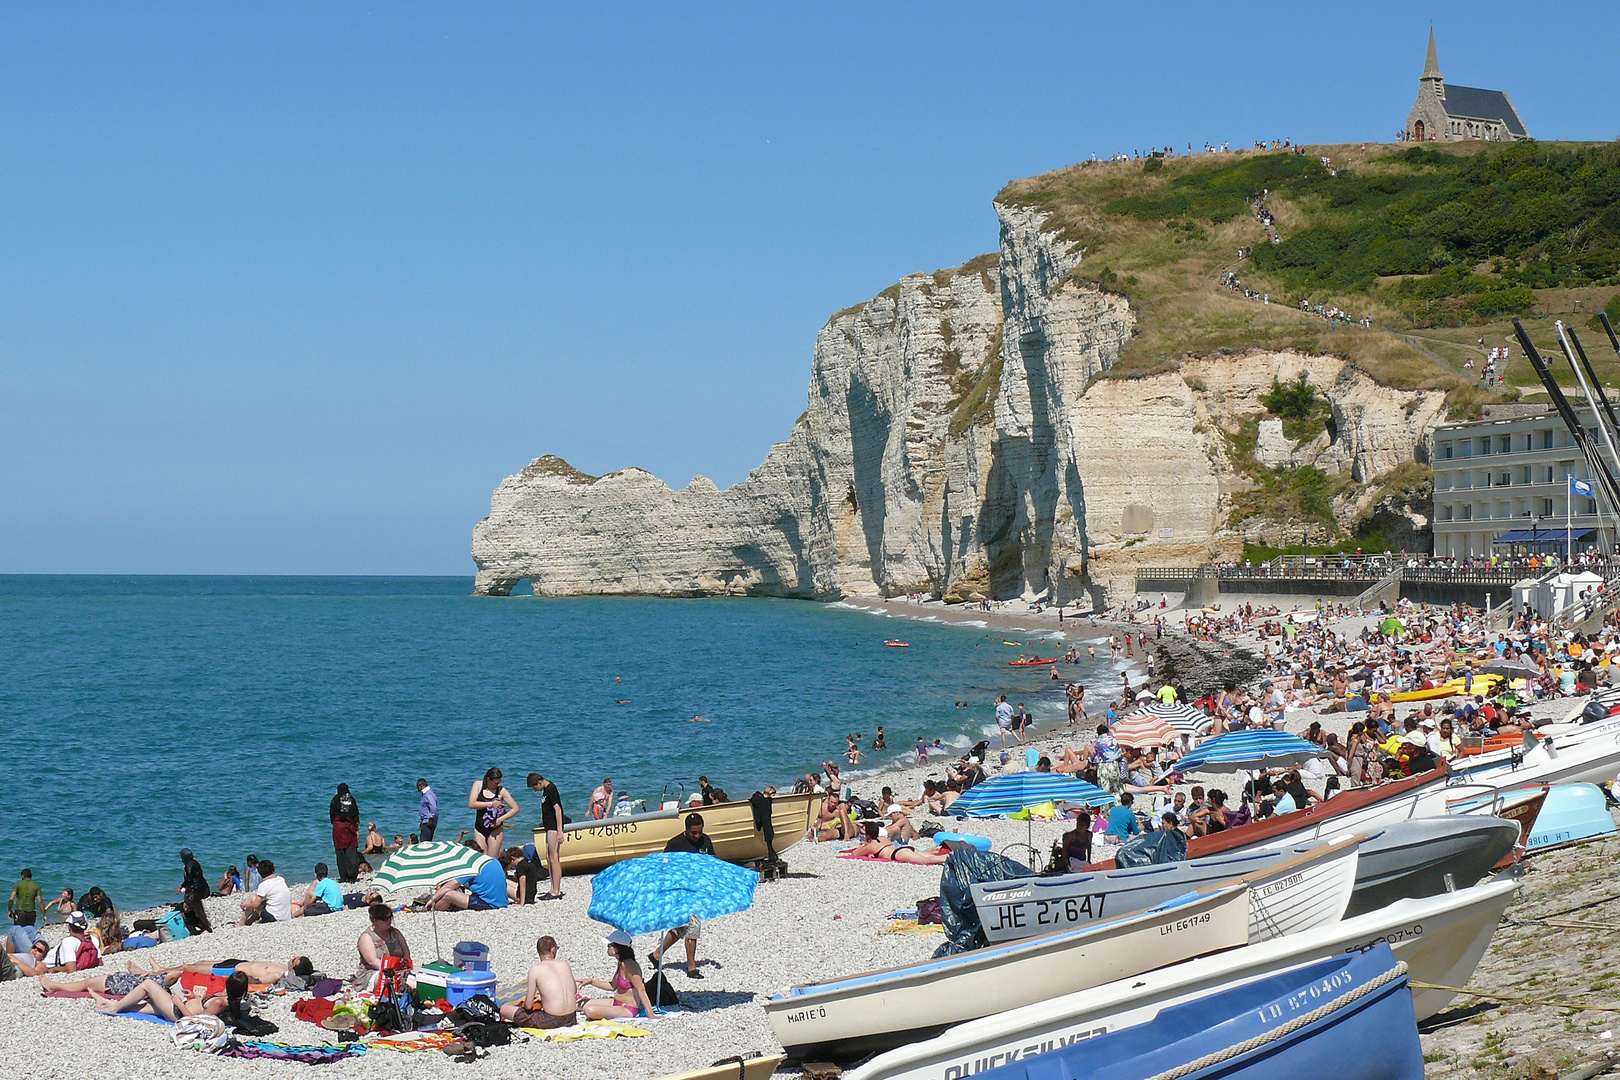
(957,442)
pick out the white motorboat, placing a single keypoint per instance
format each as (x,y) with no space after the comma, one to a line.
(1441,938)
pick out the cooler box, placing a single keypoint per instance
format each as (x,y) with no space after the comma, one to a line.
(980,842)
(433,980)
(471,956)
(463,985)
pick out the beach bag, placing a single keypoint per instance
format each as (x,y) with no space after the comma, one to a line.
(479,1008)
(88,955)
(661,993)
(200,1033)
(930,910)
(172,927)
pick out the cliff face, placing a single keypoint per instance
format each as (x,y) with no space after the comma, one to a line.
(957,442)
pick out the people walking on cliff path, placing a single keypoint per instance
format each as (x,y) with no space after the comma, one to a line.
(345,814)
(492,806)
(551,819)
(428,812)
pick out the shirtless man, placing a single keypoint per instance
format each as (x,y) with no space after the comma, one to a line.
(262,972)
(548,1000)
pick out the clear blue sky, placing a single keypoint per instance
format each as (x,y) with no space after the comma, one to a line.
(290,288)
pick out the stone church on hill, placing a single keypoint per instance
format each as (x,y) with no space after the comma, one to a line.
(1449,113)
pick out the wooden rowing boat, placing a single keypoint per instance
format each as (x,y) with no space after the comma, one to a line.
(588,846)
(846,1018)
(1441,938)
(1361,809)
(1292,891)
(750,1068)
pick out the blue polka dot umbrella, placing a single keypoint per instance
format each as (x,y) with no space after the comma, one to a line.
(663,891)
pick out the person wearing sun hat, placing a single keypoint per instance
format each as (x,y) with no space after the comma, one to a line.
(629,989)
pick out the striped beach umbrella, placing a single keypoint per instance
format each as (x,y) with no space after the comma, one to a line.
(1241,750)
(425,866)
(1011,792)
(1143,729)
(1183,719)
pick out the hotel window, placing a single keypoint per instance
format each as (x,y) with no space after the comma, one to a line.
(1547,439)
(1546,508)
(1507,479)
(1445,450)
(1506,444)
(1527,478)
(1468,512)
(1485,445)
(1446,511)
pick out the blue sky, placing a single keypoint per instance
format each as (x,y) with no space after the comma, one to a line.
(290,289)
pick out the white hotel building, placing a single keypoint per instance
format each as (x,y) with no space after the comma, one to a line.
(1502,486)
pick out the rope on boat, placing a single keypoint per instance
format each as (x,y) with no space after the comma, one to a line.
(1248,1045)
(1517,1000)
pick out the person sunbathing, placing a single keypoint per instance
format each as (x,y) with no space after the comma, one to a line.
(31,962)
(152,997)
(834,821)
(114,984)
(876,847)
(261,972)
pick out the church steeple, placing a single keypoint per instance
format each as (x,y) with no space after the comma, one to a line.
(1431,65)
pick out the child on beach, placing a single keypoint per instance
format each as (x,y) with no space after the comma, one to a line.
(922,750)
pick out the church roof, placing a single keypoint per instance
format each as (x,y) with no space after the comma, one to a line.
(1431,66)
(1468,102)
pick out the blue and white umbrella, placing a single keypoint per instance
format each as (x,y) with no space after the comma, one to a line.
(1242,750)
(1011,792)
(663,891)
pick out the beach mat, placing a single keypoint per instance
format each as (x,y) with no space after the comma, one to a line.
(590,1029)
(65,993)
(152,1017)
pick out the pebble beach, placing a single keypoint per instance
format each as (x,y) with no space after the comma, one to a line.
(827,917)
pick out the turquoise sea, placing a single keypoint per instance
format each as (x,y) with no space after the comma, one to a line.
(144,714)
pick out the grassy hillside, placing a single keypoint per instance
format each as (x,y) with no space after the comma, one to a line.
(1438,245)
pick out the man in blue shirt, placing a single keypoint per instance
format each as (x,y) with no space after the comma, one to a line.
(323,896)
(478,892)
(1122,823)
(428,813)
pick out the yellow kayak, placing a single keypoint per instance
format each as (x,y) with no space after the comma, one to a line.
(1483,684)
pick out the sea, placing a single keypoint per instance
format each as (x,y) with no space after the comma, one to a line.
(147,714)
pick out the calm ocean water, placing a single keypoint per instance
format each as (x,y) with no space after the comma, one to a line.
(144,714)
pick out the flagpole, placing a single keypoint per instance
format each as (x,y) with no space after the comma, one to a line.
(1569,502)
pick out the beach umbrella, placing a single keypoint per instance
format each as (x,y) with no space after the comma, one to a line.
(1143,729)
(426,866)
(1513,669)
(1010,792)
(1184,719)
(1392,625)
(1242,750)
(663,891)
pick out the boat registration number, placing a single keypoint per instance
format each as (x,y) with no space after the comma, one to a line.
(595,831)
(1184,924)
(1278,886)
(1394,937)
(1064,912)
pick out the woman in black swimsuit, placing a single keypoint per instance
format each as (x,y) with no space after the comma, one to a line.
(493,806)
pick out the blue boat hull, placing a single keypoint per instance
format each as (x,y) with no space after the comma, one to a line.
(1371,1038)
(1572,812)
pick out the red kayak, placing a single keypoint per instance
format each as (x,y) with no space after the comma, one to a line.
(898,644)
(1030,663)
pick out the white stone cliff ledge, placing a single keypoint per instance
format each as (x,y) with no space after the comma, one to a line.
(956,442)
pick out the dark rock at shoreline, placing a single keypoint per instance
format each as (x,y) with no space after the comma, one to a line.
(1201,667)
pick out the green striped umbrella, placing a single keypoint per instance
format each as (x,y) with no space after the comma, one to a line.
(426,867)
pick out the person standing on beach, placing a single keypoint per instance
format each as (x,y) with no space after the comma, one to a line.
(345,814)
(195,885)
(551,819)
(24,905)
(494,807)
(428,812)
(1004,720)
(922,750)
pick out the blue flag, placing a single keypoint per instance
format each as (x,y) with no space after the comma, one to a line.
(1580,487)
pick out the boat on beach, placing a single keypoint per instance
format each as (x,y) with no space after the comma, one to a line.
(1292,890)
(1349,1018)
(759,1067)
(1573,813)
(843,1019)
(1440,938)
(1429,856)
(589,846)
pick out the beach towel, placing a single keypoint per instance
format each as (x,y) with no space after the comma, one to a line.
(852,857)
(590,1029)
(65,993)
(318,1054)
(411,1042)
(149,1017)
(911,926)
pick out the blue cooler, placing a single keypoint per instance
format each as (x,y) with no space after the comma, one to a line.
(459,987)
(471,956)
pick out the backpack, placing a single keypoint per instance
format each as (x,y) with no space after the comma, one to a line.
(661,993)
(172,927)
(88,955)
